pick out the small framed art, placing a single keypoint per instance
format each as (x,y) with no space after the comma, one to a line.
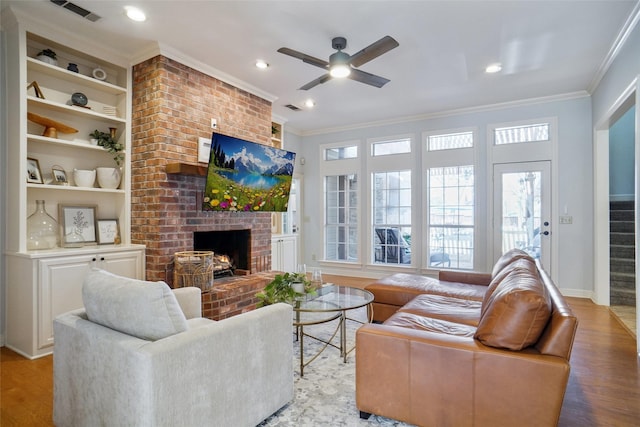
(77,224)
(59,176)
(108,231)
(34,176)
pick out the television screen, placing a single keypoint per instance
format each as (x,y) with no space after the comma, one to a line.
(246,176)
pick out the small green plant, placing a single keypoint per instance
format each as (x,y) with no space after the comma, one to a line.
(110,144)
(48,52)
(280,289)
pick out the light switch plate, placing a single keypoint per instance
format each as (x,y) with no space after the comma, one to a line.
(204,148)
(566,219)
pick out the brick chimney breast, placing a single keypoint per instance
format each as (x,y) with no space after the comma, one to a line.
(172,107)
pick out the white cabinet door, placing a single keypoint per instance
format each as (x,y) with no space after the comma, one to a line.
(284,254)
(60,291)
(61,283)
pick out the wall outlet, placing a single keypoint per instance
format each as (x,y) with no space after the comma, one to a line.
(214,124)
(566,219)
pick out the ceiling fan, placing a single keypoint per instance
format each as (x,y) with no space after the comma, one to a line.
(341,64)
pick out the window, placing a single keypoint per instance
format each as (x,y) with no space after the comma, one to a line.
(451,217)
(385,148)
(341,218)
(339,153)
(391,217)
(450,141)
(518,134)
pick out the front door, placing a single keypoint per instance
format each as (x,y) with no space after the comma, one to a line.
(522,209)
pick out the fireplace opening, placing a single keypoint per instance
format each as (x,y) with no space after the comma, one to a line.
(234,244)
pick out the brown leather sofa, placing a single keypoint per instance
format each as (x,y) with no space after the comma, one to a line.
(467,349)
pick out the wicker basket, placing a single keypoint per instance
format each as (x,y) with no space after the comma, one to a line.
(193,268)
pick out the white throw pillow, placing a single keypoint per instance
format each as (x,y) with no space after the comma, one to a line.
(147,310)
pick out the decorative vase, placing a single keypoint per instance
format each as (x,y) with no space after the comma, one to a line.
(73,67)
(47,59)
(109,177)
(42,229)
(84,178)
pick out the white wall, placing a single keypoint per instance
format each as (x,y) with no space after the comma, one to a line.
(574,183)
(621,157)
(3,180)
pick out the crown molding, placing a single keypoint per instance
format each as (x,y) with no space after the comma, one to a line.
(449,113)
(623,36)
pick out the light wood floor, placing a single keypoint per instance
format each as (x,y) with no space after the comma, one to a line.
(603,390)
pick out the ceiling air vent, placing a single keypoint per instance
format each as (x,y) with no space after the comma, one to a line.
(77,10)
(293,107)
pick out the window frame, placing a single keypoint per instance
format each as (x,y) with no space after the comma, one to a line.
(452,157)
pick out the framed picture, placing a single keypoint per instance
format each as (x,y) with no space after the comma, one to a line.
(108,231)
(59,176)
(77,224)
(34,176)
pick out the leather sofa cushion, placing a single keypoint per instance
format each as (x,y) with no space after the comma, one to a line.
(506,259)
(526,264)
(400,288)
(146,310)
(445,308)
(516,313)
(416,321)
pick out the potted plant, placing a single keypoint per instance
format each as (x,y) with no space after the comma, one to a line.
(283,289)
(109,177)
(48,56)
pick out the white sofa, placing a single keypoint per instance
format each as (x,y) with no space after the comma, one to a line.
(167,368)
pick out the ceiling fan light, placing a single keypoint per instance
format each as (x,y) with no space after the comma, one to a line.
(340,71)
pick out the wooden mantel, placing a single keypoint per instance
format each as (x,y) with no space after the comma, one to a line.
(186,169)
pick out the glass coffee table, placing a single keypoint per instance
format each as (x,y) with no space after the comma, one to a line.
(330,302)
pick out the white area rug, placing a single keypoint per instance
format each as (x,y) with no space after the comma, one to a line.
(326,394)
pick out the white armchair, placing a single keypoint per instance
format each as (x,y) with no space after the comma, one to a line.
(132,357)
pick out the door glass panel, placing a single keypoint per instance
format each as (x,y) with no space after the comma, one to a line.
(521,211)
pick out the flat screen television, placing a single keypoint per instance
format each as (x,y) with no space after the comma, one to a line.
(244,176)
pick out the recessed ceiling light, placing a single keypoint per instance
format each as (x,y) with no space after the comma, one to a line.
(309,103)
(135,14)
(493,68)
(261,64)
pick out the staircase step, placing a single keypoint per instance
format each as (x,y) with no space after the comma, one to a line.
(623,205)
(621,265)
(622,239)
(622,297)
(622,226)
(622,251)
(622,215)
(622,280)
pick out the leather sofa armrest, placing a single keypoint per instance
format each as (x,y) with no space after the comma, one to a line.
(465,277)
(190,301)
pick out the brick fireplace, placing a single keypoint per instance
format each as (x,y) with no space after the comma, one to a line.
(172,106)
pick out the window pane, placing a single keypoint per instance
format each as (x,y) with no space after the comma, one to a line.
(451,217)
(450,141)
(518,134)
(339,153)
(386,148)
(341,217)
(391,235)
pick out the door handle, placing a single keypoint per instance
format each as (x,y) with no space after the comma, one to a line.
(546,233)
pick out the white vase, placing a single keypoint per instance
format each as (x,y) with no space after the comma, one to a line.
(84,178)
(47,59)
(109,177)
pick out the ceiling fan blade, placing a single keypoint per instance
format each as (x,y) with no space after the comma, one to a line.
(322,79)
(368,78)
(304,57)
(374,50)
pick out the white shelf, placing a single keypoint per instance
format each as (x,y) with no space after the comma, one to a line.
(70,76)
(81,111)
(74,188)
